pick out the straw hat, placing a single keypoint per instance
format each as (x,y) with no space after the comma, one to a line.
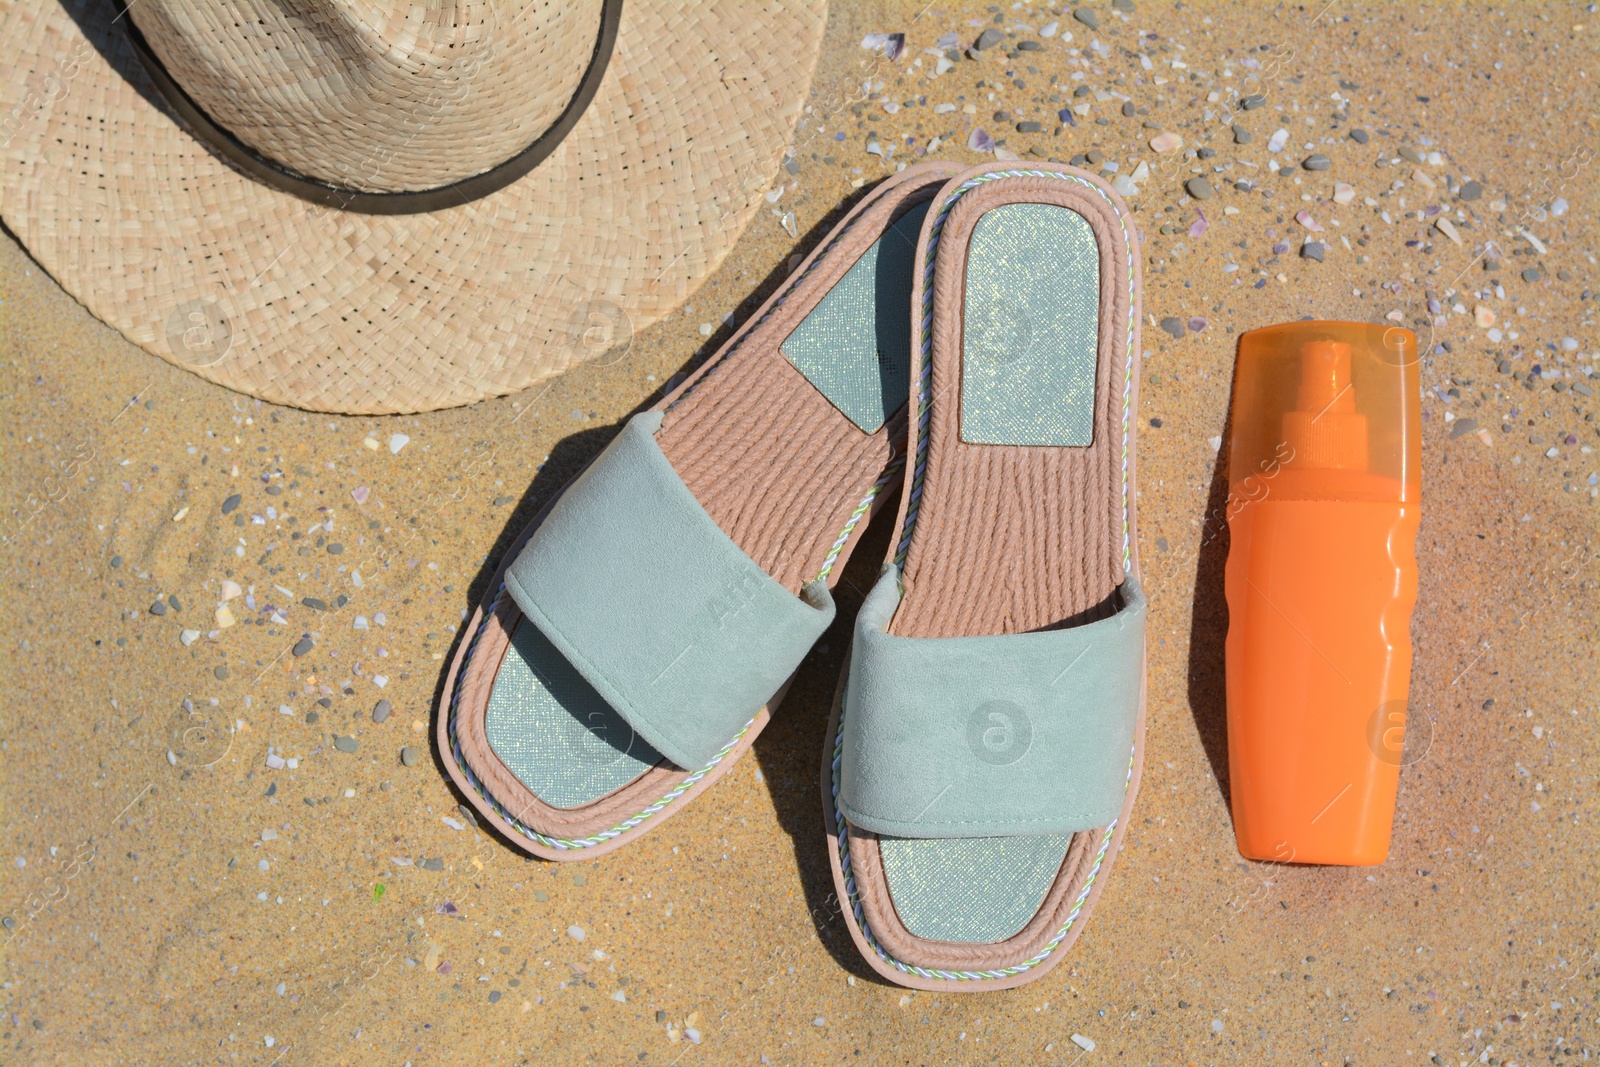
(373,206)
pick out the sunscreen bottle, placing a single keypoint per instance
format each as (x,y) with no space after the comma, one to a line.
(1321,579)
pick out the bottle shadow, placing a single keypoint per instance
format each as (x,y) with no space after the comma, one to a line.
(1208,623)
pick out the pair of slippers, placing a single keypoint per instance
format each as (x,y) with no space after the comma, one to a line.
(969,336)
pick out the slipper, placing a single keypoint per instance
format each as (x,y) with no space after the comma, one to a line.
(636,636)
(985,746)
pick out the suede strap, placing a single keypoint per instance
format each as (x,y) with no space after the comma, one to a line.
(656,607)
(996,736)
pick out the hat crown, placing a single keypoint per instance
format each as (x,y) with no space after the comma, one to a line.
(377,95)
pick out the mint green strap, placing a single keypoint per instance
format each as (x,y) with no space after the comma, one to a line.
(657,608)
(990,736)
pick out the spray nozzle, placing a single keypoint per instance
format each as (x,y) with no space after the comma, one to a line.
(1325,430)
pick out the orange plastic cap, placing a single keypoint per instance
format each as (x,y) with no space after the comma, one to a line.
(1328,397)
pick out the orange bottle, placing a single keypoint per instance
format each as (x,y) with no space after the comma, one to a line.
(1321,579)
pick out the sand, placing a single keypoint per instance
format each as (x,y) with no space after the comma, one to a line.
(226,885)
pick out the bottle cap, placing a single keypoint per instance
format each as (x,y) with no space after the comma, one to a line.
(1335,403)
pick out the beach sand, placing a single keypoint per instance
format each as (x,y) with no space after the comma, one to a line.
(228,885)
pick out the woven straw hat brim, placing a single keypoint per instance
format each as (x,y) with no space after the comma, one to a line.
(267,294)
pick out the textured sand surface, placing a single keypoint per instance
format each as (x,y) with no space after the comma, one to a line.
(228,885)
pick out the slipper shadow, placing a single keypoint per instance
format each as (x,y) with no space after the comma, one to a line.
(789,750)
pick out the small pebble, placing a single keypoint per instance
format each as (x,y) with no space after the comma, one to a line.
(1409,154)
(988,39)
(1531,274)
(380,711)
(1360,136)
(494,997)
(1462,427)
(172,602)
(1470,190)
(314,603)
(1087,17)
(1173,326)
(409,756)
(1199,188)
(1317,161)
(397,441)
(158,608)
(575,932)
(1312,250)
(116,561)
(220,673)
(232,502)
(302,646)
(1029,126)
(1240,134)
(345,744)
(1253,101)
